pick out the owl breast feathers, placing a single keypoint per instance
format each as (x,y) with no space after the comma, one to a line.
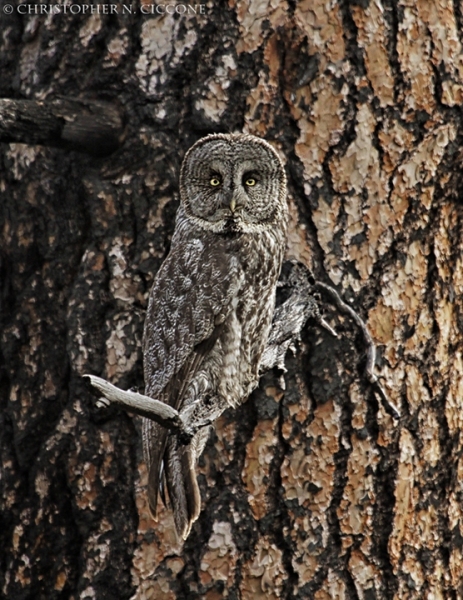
(212,302)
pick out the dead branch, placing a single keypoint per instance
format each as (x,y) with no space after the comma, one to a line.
(142,405)
(371,348)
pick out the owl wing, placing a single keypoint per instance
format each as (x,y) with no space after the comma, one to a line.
(191,297)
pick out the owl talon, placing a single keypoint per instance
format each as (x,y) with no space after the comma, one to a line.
(103,403)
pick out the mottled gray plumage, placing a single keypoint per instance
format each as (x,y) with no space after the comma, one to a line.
(212,302)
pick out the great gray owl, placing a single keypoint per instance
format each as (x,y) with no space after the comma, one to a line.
(212,301)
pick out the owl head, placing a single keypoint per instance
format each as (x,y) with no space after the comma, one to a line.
(233,183)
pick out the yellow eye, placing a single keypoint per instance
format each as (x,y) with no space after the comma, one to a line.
(250,181)
(215,181)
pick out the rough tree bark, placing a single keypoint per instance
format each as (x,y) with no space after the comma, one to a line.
(311,493)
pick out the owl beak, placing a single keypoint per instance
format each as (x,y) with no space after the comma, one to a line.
(229,200)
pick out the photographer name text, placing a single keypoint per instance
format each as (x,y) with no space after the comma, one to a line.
(105,9)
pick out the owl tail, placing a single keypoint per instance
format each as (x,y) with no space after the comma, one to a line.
(182,486)
(154,443)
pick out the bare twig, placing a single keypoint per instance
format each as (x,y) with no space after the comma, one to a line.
(321,321)
(371,348)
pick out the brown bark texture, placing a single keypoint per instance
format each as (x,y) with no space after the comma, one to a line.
(313,492)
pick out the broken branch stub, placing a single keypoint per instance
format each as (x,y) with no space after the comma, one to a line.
(89,126)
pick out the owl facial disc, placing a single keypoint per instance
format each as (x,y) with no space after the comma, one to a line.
(233,183)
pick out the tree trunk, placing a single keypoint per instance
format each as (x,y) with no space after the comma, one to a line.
(312,492)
